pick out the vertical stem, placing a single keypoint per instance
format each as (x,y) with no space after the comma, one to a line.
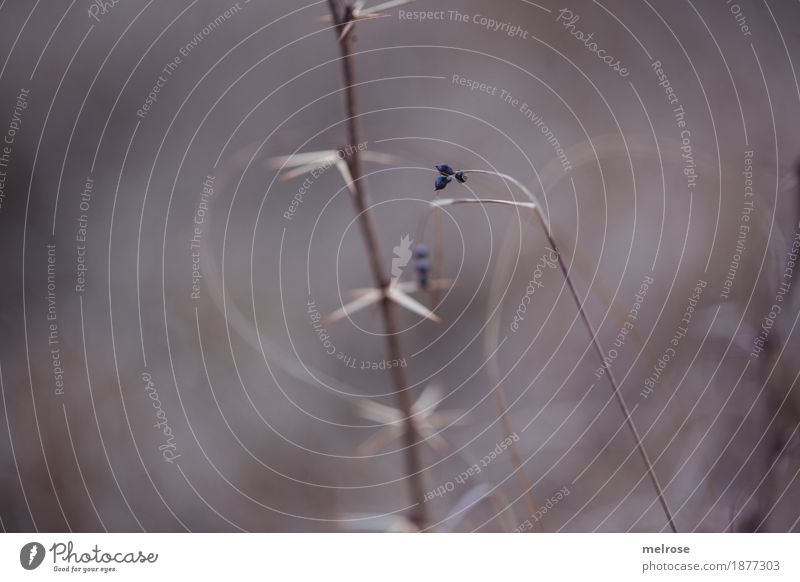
(596,344)
(438,252)
(614,386)
(516,460)
(412,458)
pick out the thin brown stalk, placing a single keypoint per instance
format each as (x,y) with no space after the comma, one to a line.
(595,342)
(342,17)
(494,377)
(438,250)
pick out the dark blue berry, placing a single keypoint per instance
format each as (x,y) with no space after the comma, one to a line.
(442,182)
(461,176)
(445,169)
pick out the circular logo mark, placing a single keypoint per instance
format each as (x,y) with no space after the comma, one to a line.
(31,555)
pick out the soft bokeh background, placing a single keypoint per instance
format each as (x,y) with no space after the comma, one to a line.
(271,430)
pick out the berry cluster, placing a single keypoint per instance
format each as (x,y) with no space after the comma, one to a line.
(446,175)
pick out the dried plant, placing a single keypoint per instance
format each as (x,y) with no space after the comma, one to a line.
(388,293)
(448,175)
(344,16)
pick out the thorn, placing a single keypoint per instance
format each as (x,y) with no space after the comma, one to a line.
(399,297)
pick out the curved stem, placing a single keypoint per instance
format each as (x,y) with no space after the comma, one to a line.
(595,342)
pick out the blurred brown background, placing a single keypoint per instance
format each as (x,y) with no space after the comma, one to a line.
(266,431)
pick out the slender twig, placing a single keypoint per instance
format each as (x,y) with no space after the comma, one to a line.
(537,209)
(776,412)
(494,377)
(516,460)
(342,17)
